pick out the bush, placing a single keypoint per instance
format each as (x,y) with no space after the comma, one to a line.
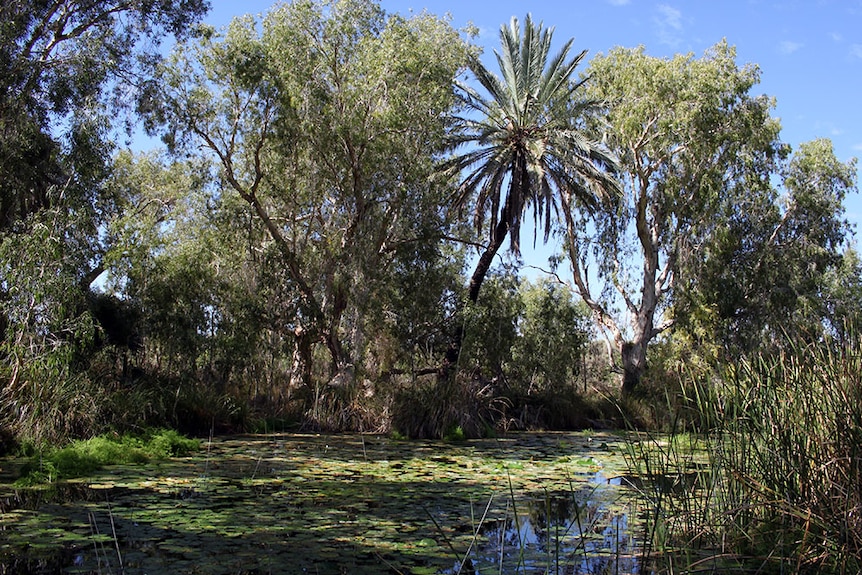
(165,443)
(83,457)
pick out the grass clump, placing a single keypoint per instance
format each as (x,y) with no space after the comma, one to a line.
(454,434)
(164,443)
(83,457)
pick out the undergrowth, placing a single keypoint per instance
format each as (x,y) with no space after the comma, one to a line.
(82,457)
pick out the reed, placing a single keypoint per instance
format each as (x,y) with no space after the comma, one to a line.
(782,488)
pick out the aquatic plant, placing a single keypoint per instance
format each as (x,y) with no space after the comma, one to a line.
(356,504)
(781,491)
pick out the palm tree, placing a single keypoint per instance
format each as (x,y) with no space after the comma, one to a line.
(525,137)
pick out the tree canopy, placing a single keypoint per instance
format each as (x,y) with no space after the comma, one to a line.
(69,72)
(527,136)
(327,124)
(704,236)
(300,248)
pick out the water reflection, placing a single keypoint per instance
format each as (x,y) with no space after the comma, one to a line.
(559,533)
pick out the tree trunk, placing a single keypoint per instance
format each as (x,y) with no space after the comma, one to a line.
(300,372)
(485,260)
(634,364)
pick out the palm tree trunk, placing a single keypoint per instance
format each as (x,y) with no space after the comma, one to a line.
(478,277)
(487,258)
(511,207)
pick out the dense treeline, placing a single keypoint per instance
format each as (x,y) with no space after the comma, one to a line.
(315,242)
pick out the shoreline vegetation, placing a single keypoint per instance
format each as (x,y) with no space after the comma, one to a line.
(727,486)
(299,335)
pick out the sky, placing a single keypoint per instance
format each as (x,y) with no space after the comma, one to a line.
(809,51)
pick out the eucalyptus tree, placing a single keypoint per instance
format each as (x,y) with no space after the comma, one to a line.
(844,302)
(326,121)
(62,62)
(165,257)
(690,137)
(209,289)
(778,265)
(69,72)
(525,144)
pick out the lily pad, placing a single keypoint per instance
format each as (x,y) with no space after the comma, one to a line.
(333,504)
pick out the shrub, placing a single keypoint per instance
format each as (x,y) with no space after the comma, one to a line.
(83,457)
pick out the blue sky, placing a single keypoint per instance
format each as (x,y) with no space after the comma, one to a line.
(809,51)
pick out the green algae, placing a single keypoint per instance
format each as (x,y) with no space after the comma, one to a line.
(332,504)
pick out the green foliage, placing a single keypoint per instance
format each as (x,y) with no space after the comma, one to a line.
(843,295)
(164,443)
(72,405)
(776,263)
(492,327)
(290,260)
(59,62)
(781,489)
(323,124)
(59,117)
(527,135)
(794,429)
(533,335)
(83,457)
(454,434)
(691,138)
(527,342)
(554,331)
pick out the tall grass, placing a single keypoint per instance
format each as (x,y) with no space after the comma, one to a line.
(51,409)
(783,491)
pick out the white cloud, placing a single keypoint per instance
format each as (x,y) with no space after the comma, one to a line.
(670,16)
(788,47)
(618,2)
(836,37)
(856,51)
(487,33)
(668,21)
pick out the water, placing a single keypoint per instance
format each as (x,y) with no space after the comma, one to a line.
(571,533)
(337,504)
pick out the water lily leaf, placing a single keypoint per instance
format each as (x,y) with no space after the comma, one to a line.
(320,502)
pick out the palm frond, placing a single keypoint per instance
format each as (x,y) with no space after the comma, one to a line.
(559,73)
(525,137)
